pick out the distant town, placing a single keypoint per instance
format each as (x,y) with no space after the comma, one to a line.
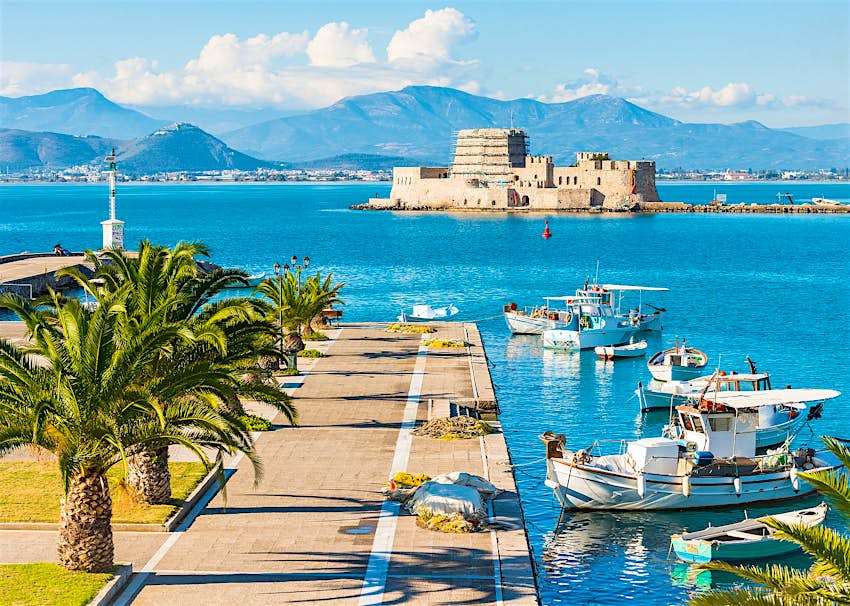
(95,174)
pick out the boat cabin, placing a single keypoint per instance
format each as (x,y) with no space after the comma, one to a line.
(718,429)
(738,381)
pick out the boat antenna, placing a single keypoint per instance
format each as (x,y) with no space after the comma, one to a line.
(596,279)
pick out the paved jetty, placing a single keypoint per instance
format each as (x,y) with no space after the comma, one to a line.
(316,528)
(30,274)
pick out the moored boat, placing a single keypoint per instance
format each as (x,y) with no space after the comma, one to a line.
(745,540)
(678,363)
(614,352)
(657,394)
(713,463)
(424,313)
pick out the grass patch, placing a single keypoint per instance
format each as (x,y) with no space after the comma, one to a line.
(407,480)
(411,329)
(255,423)
(30,492)
(290,372)
(444,344)
(315,335)
(310,353)
(48,585)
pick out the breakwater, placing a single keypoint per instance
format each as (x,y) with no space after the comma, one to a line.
(643,207)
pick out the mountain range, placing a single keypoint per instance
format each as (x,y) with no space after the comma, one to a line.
(415,124)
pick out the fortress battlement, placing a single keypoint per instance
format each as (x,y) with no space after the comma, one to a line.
(493,170)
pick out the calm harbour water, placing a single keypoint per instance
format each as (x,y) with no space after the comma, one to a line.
(772,287)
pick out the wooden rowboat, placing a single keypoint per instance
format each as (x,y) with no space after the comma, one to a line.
(746,540)
(629,350)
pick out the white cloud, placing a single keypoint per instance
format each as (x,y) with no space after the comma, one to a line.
(287,69)
(25,78)
(433,36)
(591,82)
(734,95)
(338,45)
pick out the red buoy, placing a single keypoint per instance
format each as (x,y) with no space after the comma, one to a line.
(546,233)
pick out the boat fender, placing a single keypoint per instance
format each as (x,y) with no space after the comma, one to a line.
(795,481)
(686,486)
(737,484)
(641,485)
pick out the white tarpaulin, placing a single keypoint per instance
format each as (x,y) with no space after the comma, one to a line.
(457,492)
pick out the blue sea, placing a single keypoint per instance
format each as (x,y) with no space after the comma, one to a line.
(774,287)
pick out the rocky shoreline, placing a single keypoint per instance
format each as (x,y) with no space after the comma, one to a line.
(645,207)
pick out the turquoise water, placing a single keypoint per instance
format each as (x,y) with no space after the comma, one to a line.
(772,287)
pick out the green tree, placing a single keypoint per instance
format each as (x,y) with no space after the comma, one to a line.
(82,390)
(162,287)
(295,306)
(827,581)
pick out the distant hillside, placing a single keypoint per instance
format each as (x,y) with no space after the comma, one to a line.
(840,130)
(370,162)
(418,122)
(21,150)
(76,111)
(182,147)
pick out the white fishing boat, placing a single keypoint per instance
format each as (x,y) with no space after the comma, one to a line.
(658,395)
(591,325)
(556,312)
(679,363)
(712,464)
(424,313)
(825,202)
(629,350)
(745,540)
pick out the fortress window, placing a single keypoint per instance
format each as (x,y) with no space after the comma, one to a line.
(599,180)
(560,180)
(493,203)
(575,180)
(464,201)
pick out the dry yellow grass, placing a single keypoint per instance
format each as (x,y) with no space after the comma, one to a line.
(31,491)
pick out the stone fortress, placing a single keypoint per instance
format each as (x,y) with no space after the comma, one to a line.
(492,170)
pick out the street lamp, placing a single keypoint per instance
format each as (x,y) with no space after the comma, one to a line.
(294,260)
(280,303)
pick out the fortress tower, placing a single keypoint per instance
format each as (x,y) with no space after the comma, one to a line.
(489,154)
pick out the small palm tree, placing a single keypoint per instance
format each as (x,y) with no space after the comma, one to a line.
(295,305)
(827,581)
(163,286)
(82,390)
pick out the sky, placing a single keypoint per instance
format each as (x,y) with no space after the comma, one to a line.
(779,62)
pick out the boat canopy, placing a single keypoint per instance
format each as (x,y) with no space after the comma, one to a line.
(628,287)
(732,377)
(767,397)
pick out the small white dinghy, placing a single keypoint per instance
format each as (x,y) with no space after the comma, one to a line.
(746,540)
(629,350)
(679,363)
(423,313)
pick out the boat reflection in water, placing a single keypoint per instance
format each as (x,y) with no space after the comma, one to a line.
(608,557)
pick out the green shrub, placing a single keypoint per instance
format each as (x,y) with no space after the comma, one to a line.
(310,353)
(315,335)
(290,372)
(255,423)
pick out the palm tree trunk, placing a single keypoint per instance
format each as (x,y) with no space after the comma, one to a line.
(149,477)
(233,404)
(85,531)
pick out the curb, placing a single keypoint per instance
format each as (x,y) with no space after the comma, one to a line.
(105,596)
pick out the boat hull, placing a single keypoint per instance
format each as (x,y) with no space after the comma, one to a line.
(586,339)
(523,324)
(676,373)
(583,487)
(702,552)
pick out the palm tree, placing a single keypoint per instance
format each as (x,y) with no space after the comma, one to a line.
(296,305)
(163,286)
(827,581)
(83,391)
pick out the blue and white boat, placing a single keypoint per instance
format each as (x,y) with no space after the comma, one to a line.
(745,540)
(591,324)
